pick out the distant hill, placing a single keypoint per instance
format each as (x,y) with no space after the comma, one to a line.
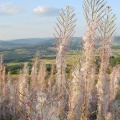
(117,39)
(32,42)
(6,45)
(35,41)
(23,50)
(24,42)
(29,42)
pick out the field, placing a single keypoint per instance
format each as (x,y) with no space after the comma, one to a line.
(15,56)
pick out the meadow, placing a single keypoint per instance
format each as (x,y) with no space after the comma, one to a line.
(15,63)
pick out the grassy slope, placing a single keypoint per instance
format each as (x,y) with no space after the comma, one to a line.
(14,57)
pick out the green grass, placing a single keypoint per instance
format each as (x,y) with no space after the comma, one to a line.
(50,59)
(15,57)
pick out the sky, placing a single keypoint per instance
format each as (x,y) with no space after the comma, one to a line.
(36,18)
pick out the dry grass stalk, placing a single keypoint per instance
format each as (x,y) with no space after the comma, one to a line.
(41,77)
(114,86)
(23,86)
(114,82)
(51,79)
(84,75)
(35,68)
(106,34)
(63,37)
(64,33)
(2,77)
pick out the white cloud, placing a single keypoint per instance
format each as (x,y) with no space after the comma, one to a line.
(9,8)
(5,26)
(45,11)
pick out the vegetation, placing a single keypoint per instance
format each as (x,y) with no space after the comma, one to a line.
(81,85)
(15,58)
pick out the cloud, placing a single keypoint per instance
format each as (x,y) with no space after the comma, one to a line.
(45,11)
(5,26)
(9,9)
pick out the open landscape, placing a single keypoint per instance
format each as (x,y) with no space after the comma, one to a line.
(16,52)
(62,77)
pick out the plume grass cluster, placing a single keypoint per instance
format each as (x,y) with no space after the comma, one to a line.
(91,91)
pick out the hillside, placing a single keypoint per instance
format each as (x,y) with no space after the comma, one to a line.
(23,50)
(35,41)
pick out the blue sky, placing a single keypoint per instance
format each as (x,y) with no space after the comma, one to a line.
(36,18)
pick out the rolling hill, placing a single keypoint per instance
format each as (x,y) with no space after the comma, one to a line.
(23,50)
